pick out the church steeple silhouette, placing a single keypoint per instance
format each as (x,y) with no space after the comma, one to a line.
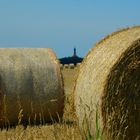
(74,53)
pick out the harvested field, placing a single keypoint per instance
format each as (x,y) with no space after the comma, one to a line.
(107,93)
(105,115)
(69,77)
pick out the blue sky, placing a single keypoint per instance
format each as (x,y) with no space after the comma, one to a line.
(63,24)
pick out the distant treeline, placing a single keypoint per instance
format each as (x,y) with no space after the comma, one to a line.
(69,60)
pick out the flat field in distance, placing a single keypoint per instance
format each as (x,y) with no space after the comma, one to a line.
(67,130)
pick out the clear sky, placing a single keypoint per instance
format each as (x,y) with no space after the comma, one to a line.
(63,24)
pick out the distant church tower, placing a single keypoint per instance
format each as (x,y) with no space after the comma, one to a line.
(74,53)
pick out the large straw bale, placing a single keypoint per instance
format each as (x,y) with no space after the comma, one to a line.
(107,93)
(31,88)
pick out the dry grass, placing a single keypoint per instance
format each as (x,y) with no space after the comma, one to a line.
(67,130)
(46,132)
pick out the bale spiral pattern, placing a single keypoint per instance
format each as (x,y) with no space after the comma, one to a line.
(108,87)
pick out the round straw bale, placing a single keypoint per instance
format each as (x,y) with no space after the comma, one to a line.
(71,66)
(107,92)
(66,66)
(61,66)
(78,64)
(31,88)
